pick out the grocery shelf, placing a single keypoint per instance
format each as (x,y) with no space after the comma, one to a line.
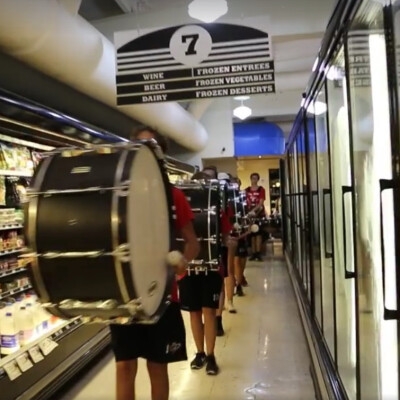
(26,174)
(12,271)
(12,292)
(77,345)
(9,252)
(9,227)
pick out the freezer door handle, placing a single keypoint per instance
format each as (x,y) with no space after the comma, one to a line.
(325,192)
(347,274)
(386,184)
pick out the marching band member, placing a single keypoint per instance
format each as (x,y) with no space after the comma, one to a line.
(165,341)
(255,198)
(200,295)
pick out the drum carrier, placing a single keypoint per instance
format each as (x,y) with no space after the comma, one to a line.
(99,226)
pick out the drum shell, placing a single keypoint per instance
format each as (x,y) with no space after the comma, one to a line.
(206,226)
(205,202)
(83,222)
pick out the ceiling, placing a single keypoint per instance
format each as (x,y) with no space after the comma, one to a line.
(295,32)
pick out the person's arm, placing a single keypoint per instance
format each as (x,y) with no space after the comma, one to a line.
(185,229)
(191,249)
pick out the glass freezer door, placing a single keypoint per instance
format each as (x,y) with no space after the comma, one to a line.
(375,220)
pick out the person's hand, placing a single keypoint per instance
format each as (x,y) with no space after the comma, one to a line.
(252,214)
(177,262)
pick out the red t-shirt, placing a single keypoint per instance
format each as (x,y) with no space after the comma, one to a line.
(226,218)
(183,215)
(253,197)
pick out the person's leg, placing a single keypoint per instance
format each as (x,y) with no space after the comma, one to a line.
(196,323)
(190,292)
(125,378)
(128,343)
(210,302)
(243,261)
(168,344)
(220,328)
(224,272)
(210,332)
(230,280)
(238,276)
(258,246)
(159,380)
(253,248)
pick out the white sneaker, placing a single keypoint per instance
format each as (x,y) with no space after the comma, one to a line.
(231,307)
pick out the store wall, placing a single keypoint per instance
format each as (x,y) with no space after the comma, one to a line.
(228,164)
(217,120)
(245,167)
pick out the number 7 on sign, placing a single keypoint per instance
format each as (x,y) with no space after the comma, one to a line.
(190,45)
(191,50)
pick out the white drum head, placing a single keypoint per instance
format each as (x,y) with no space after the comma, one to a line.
(148,229)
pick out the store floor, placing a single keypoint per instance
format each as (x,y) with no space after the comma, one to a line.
(262,356)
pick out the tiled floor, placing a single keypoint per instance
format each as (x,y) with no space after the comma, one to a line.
(262,356)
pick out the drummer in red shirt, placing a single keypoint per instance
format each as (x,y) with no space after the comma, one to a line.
(200,295)
(255,198)
(165,341)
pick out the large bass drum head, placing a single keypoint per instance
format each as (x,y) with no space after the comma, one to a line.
(148,227)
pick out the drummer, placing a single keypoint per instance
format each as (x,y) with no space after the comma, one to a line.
(255,198)
(200,295)
(241,253)
(164,342)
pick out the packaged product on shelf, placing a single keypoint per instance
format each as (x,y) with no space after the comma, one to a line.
(25,326)
(2,190)
(9,157)
(23,159)
(7,216)
(9,334)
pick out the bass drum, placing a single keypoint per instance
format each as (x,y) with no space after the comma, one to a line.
(99,226)
(205,201)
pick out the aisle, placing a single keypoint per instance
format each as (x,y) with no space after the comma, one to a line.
(262,356)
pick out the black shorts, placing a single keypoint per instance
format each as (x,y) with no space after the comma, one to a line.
(200,291)
(241,249)
(163,342)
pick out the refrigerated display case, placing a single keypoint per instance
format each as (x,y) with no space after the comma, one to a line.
(347,134)
(41,353)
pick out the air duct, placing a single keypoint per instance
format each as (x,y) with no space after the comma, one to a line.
(52,38)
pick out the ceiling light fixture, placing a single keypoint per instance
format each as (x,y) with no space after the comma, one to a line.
(317,108)
(242,97)
(242,112)
(207,10)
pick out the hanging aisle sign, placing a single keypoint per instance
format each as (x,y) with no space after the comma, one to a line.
(191,62)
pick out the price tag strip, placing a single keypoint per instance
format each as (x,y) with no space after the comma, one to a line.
(25,358)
